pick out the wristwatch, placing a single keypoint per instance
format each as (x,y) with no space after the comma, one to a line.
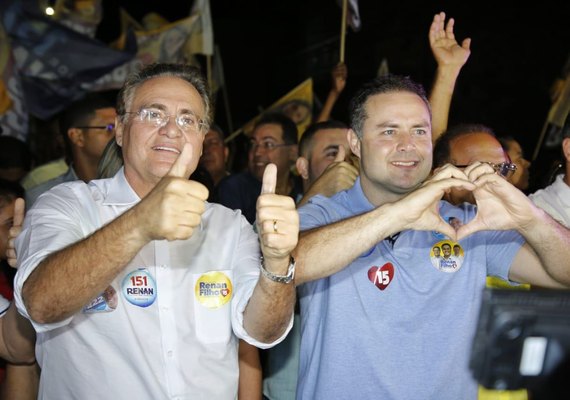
(279,278)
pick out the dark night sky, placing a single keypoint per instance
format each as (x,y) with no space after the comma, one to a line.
(269,47)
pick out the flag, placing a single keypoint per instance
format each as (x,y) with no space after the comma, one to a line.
(53,61)
(297,105)
(202,39)
(174,43)
(383,69)
(13,115)
(81,16)
(556,117)
(352,14)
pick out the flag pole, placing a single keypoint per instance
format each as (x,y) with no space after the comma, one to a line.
(343,29)
(209,70)
(222,82)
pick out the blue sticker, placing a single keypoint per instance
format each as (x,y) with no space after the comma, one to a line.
(139,288)
(104,302)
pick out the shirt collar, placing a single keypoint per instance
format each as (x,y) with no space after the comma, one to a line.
(119,192)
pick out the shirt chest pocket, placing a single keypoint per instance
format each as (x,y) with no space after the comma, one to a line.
(213,291)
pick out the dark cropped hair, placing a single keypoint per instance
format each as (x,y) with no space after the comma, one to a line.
(442,149)
(380,85)
(286,123)
(78,114)
(190,74)
(216,128)
(9,191)
(306,142)
(14,153)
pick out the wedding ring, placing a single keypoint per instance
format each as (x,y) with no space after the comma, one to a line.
(275,225)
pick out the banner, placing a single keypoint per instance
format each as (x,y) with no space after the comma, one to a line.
(202,39)
(297,105)
(13,114)
(551,135)
(170,43)
(53,61)
(82,16)
(353,14)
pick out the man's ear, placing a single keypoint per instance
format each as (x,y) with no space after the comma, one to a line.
(119,131)
(76,137)
(566,148)
(302,165)
(353,142)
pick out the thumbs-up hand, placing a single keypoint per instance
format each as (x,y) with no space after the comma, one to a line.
(277,223)
(18,220)
(173,209)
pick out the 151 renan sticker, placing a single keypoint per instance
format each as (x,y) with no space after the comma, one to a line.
(213,289)
(139,288)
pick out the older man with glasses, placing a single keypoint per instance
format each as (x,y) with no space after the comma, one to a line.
(138,287)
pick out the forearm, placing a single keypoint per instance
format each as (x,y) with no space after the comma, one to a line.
(21,382)
(270,307)
(325,113)
(324,251)
(68,279)
(18,338)
(250,376)
(551,243)
(440,97)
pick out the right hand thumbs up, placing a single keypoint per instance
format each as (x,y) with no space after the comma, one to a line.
(182,167)
(277,219)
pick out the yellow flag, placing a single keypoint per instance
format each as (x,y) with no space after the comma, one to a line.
(297,105)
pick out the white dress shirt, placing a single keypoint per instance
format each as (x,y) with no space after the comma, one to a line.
(167,328)
(555,200)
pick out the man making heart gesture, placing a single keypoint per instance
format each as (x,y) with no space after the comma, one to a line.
(380,318)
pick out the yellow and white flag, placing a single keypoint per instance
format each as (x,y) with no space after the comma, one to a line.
(297,105)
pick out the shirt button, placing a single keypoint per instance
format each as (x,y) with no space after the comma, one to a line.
(169,353)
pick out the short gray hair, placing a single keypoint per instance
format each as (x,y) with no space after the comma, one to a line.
(185,72)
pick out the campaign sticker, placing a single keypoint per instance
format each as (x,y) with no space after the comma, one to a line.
(213,289)
(139,288)
(447,256)
(104,302)
(381,277)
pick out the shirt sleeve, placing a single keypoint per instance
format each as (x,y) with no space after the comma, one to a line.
(247,267)
(54,222)
(4,305)
(315,213)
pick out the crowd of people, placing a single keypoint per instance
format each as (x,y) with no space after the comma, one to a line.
(345,261)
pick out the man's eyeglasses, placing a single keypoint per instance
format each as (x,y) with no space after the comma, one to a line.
(108,128)
(187,122)
(267,145)
(504,169)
